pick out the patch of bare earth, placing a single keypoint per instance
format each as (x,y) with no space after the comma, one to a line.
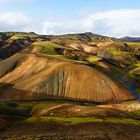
(85,131)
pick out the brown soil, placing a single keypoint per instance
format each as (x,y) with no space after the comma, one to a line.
(86,131)
(30,77)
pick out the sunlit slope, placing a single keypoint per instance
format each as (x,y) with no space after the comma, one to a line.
(60,52)
(87,42)
(30,77)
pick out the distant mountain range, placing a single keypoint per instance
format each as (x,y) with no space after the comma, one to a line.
(130,39)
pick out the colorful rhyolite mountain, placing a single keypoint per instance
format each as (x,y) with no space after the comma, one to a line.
(79,67)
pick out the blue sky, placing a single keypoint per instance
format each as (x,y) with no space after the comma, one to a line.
(65,7)
(71,16)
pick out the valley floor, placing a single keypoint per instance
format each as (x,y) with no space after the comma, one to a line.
(64,120)
(83,131)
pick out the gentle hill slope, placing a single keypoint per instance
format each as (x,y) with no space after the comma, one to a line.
(31,77)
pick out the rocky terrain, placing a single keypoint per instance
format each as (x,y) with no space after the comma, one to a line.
(67,83)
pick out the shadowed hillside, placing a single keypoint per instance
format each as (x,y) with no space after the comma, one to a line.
(13,42)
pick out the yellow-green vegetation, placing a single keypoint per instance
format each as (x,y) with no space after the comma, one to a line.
(10,63)
(15,37)
(41,105)
(68,38)
(134,74)
(116,53)
(23,71)
(77,120)
(109,50)
(32,107)
(130,102)
(29,110)
(133,44)
(62,120)
(122,120)
(21,34)
(135,65)
(136,112)
(119,58)
(134,48)
(93,59)
(112,48)
(116,49)
(48,47)
(88,36)
(62,57)
(120,53)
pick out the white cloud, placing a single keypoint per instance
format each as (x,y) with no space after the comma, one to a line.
(113,23)
(12,21)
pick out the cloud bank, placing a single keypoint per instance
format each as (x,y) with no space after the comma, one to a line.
(115,23)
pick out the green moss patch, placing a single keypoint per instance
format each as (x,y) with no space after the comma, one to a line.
(93,59)
(41,105)
(78,120)
(48,47)
(61,120)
